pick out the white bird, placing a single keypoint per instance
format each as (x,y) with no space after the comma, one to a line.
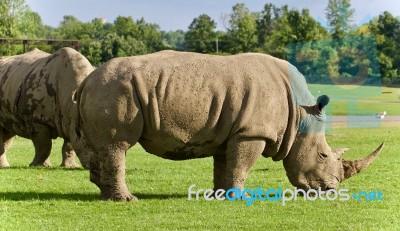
(381,115)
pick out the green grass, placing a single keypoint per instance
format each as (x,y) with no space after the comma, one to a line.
(359,100)
(60,199)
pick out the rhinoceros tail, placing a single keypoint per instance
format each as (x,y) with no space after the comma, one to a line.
(75,100)
(76,97)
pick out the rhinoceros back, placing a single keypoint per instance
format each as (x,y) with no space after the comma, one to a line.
(13,72)
(37,88)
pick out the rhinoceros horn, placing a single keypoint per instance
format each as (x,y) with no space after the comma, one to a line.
(353,167)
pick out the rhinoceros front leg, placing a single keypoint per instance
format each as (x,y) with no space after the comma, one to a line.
(68,156)
(220,181)
(241,154)
(5,142)
(42,142)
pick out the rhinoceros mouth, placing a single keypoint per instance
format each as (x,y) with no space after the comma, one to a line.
(322,186)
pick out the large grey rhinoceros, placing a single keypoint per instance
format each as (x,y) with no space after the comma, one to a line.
(36,91)
(186,105)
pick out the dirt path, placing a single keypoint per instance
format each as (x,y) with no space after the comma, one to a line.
(363,121)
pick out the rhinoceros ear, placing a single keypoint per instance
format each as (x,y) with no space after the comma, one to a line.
(322,101)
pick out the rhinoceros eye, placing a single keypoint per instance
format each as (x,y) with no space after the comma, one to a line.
(322,156)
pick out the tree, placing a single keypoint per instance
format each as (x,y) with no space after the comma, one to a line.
(150,35)
(12,14)
(339,16)
(97,29)
(386,28)
(101,41)
(243,29)
(125,26)
(71,28)
(304,27)
(17,20)
(267,22)
(147,33)
(32,26)
(174,40)
(287,28)
(201,35)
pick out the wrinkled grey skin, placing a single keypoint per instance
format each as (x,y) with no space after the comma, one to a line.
(36,101)
(185,105)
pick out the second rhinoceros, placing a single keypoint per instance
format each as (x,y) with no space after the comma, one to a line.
(36,91)
(186,105)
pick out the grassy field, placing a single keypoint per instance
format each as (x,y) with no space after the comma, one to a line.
(356,100)
(60,199)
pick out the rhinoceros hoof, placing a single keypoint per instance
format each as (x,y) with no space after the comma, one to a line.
(125,197)
(118,196)
(45,164)
(4,165)
(3,162)
(69,165)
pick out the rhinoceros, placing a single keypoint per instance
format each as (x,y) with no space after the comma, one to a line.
(36,91)
(181,105)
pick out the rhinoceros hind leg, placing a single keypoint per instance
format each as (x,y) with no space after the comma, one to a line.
(5,143)
(3,161)
(241,154)
(111,175)
(42,143)
(68,156)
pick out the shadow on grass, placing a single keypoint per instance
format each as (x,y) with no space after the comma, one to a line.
(43,167)
(45,196)
(268,170)
(159,196)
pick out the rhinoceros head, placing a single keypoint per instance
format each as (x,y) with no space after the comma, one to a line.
(311,162)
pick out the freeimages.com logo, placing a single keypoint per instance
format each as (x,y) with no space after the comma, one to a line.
(280,194)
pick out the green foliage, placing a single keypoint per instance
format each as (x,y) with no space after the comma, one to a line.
(201,35)
(339,16)
(125,26)
(280,27)
(71,28)
(386,27)
(101,41)
(150,35)
(266,24)
(13,14)
(174,40)
(351,60)
(242,32)
(18,21)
